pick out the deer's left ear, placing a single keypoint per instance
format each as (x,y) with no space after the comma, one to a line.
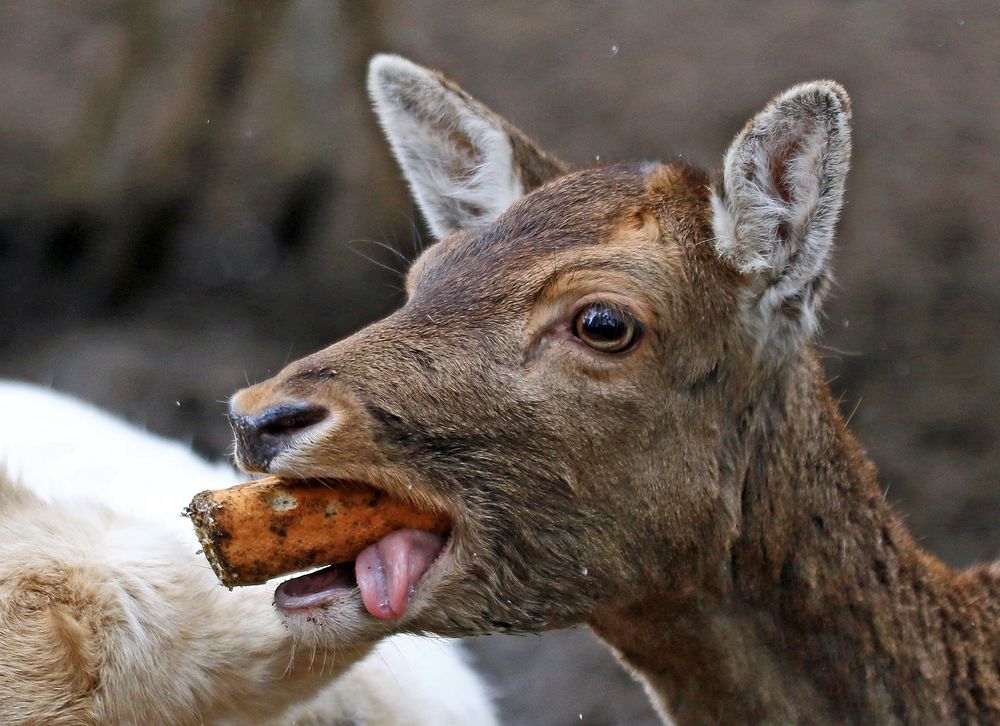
(776,207)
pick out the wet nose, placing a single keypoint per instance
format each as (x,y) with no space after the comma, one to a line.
(262,437)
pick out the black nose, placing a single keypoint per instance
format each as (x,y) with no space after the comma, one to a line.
(260,438)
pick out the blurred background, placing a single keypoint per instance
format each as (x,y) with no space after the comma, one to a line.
(193,193)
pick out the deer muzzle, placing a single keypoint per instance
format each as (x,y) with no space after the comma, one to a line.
(260,438)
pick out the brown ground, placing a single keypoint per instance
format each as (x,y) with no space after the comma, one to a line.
(185,189)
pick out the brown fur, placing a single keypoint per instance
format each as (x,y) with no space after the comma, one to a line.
(697,500)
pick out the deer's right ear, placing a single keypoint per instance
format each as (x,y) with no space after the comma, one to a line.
(776,208)
(464,163)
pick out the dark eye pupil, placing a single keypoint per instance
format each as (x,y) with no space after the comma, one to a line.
(605,328)
(604,323)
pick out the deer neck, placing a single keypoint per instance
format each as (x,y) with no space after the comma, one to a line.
(826,610)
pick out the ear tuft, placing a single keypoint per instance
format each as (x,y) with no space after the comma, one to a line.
(465,165)
(776,208)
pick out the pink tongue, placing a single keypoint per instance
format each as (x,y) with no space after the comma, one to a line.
(389,570)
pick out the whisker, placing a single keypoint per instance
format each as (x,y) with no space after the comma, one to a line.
(394,271)
(386,246)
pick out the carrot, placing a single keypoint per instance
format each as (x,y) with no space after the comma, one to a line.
(269,527)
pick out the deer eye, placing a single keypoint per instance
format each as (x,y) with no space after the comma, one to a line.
(606,328)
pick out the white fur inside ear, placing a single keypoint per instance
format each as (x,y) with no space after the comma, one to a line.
(456,154)
(776,209)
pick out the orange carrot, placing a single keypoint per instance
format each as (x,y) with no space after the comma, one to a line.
(269,527)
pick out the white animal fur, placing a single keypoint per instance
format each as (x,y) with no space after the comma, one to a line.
(455,153)
(776,209)
(108,615)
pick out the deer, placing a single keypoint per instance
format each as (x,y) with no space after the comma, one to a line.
(607,378)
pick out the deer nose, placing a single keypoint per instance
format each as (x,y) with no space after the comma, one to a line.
(262,437)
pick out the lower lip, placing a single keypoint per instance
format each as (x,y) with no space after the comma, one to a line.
(317,588)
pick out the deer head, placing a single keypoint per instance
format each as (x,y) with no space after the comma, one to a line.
(571,375)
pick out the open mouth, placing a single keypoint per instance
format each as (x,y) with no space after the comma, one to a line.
(369,541)
(386,573)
